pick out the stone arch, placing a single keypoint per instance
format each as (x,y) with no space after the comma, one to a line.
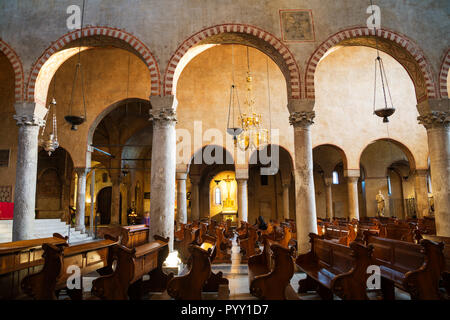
(16,64)
(443,75)
(339,150)
(127,41)
(246,35)
(401,48)
(228,156)
(400,145)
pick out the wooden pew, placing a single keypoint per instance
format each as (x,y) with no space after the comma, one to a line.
(133,236)
(132,264)
(221,244)
(88,256)
(446,273)
(19,259)
(414,268)
(333,268)
(191,236)
(270,271)
(242,231)
(190,285)
(248,245)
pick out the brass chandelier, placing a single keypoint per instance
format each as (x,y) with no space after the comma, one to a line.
(253,135)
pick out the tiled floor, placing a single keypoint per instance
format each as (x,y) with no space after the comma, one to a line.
(238,289)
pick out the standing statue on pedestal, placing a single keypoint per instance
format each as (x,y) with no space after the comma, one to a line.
(380,204)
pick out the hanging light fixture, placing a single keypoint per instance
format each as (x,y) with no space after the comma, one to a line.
(254,136)
(51,143)
(233,129)
(71,118)
(387,111)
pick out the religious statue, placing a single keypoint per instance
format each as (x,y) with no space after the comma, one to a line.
(380,204)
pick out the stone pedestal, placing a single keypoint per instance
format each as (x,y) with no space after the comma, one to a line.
(286,200)
(181,198)
(162,196)
(242,200)
(195,198)
(421,191)
(352,176)
(305,205)
(437,124)
(26,170)
(81,200)
(329,197)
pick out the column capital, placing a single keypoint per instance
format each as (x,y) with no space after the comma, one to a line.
(181,176)
(241,173)
(328,181)
(30,114)
(81,171)
(163,109)
(421,172)
(302,118)
(352,179)
(435,119)
(195,180)
(352,173)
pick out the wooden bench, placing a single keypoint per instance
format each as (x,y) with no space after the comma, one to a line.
(133,236)
(270,271)
(191,236)
(414,268)
(89,256)
(19,259)
(248,245)
(446,272)
(132,264)
(189,286)
(333,268)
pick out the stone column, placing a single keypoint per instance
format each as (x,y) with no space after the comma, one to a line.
(286,201)
(421,191)
(352,183)
(242,200)
(29,117)
(437,124)
(195,198)
(329,197)
(81,199)
(181,198)
(305,205)
(115,199)
(162,184)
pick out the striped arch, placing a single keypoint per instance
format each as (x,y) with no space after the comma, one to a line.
(122,35)
(357,32)
(293,83)
(18,70)
(443,75)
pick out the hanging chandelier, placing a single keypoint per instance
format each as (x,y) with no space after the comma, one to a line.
(253,135)
(233,129)
(51,143)
(71,118)
(388,110)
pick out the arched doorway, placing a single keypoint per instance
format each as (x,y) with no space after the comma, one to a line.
(104,206)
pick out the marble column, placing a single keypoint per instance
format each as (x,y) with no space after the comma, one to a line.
(81,199)
(421,191)
(437,124)
(329,197)
(162,184)
(181,198)
(242,200)
(28,121)
(115,199)
(286,187)
(195,198)
(352,176)
(305,205)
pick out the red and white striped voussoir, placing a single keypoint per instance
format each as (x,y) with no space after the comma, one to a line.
(239,28)
(443,75)
(355,32)
(16,64)
(122,35)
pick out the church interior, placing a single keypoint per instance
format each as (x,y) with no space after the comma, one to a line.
(321,173)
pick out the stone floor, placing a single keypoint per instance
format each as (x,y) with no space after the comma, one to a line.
(238,289)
